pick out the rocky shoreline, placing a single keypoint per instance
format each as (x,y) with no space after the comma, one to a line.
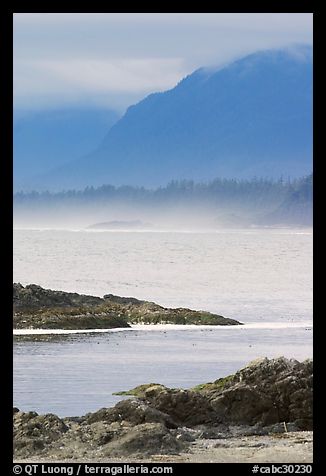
(268,402)
(37,308)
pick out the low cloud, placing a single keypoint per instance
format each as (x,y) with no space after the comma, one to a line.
(61,57)
(134,75)
(56,80)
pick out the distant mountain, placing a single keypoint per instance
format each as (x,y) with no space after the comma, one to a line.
(47,139)
(250,118)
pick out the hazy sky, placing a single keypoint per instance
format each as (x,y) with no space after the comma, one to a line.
(115,59)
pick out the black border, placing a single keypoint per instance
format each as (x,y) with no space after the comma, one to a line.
(6,189)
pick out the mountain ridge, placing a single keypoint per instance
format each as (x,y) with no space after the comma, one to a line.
(252,117)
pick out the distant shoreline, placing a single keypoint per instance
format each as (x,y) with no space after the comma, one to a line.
(305,229)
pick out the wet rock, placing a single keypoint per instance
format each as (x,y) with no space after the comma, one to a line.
(33,432)
(187,434)
(186,408)
(213,432)
(133,411)
(140,390)
(33,296)
(243,404)
(143,440)
(104,433)
(36,307)
(266,392)
(123,300)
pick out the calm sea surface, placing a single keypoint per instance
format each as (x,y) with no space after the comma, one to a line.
(246,275)
(255,276)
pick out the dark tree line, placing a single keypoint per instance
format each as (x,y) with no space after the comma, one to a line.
(256,192)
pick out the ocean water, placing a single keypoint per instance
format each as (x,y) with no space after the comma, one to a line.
(260,277)
(74,374)
(249,275)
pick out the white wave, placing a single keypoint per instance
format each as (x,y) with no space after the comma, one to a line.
(46,229)
(252,325)
(23,332)
(165,327)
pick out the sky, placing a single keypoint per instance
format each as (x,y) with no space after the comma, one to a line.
(113,60)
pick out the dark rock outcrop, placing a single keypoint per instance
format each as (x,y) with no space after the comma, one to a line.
(185,407)
(144,432)
(36,307)
(268,391)
(143,440)
(132,411)
(265,392)
(267,396)
(33,296)
(33,433)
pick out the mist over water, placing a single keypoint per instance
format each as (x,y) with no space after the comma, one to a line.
(62,215)
(252,275)
(182,205)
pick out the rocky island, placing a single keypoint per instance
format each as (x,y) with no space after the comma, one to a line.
(120,225)
(261,413)
(37,308)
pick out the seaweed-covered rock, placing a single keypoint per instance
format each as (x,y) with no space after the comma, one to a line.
(36,307)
